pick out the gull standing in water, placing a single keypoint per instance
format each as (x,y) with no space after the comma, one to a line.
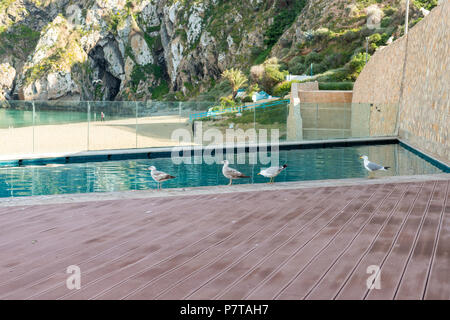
(159,176)
(371,166)
(231,173)
(272,172)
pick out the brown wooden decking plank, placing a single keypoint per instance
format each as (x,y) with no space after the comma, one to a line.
(395,264)
(355,287)
(33,216)
(49,229)
(53,248)
(98,272)
(92,247)
(306,217)
(412,285)
(278,281)
(147,279)
(304,243)
(88,254)
(222,283)
(92,213)
(140,264)
(438,286)
(309,276)
(342,269)
(228,257)
(71,221)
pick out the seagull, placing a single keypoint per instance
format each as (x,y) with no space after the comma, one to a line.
(159,176)
(231,173)
(272,172)
(371,166)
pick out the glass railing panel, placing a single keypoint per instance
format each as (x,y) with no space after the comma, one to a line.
(360,120)
(67,126)
(112,125)
(272,115)
(16,127)
(157,120)
(383,119)
(211,123)
(60,126)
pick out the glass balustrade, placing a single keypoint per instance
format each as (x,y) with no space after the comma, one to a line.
(45,127)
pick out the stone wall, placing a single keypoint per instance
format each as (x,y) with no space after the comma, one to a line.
(308,86)
(324,96)
(409,81)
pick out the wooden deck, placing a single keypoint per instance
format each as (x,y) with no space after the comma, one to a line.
(312,243)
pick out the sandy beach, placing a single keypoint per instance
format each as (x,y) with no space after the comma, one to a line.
(73,137)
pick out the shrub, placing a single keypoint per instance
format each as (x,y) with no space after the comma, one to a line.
(313,57)
(336,85)
(160,91)
(227,102)
(389,11)
(283,66)
(322,34)
(356,65)
(283,88)
(376,39)
(296,65)
(351,35)
(257,72)
(386,22)
(335,60)
(268,74)
(427,4)
(297,69)
(319,67)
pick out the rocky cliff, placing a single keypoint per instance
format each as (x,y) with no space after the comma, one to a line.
(149,49)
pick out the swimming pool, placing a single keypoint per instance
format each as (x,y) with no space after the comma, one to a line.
(303,164)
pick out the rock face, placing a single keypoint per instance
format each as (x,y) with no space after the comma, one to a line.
(146,49)
(7,75)
(129,49)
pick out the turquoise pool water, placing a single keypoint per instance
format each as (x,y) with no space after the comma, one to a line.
(306,164)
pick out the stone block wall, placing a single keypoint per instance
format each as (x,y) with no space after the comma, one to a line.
(324,96)
(412,77)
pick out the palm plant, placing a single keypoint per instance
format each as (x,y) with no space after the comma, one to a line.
(236,79)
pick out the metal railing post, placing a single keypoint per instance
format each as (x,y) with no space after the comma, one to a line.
(88,123)
(34,122)
(137,106)
(407,17)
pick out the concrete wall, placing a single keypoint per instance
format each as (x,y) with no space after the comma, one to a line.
(410,81)
(315,114)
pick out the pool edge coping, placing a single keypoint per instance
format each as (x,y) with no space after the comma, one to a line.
(116,153)
(209,190)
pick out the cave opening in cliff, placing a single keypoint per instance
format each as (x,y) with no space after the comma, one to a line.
(109,83)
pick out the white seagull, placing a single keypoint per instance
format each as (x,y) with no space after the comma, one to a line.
(231,173)
(272,172)
(371,166)
(159,176)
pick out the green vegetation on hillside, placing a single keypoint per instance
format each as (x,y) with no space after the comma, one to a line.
(283,20)
(19,40)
